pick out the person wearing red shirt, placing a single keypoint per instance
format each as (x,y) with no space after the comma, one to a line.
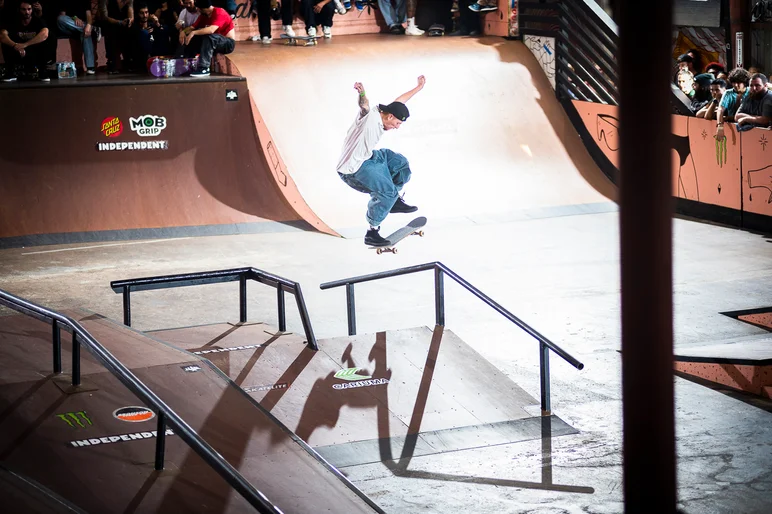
(212,33)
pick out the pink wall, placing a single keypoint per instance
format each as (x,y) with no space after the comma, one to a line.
(737,175)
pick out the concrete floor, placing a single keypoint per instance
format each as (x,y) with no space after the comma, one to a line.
(559,274)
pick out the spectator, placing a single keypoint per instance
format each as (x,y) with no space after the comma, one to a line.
(696,68)
(468,23)
(21,39)
(149,38)
(412,29)
(716,69)
(756,108)
(286,17)
(717,90)
(484,6)
(169,13)
(739,79)
(75,20)
(47,11)
(262,9)
(116,17)
(701,96)
(685,81)
(188,15)
(318,12)
(213,32)
(394,14)
(685,61)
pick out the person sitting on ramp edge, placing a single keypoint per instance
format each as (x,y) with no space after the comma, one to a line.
(380,173)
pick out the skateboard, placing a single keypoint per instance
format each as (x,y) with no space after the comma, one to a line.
(412,228)
(165,67)
(293,40)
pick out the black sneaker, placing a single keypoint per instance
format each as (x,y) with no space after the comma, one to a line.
(373,238)
(401,206)
(203,72)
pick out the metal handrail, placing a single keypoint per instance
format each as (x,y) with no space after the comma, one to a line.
(282,285)
(440,270)
(165,414)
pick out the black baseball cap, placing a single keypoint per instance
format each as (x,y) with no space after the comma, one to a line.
(398,109)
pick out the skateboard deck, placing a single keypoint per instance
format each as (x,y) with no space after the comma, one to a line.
(412,228)
(165,67)
(293,40)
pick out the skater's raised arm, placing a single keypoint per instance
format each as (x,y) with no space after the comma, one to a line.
(407,96)
(364,103)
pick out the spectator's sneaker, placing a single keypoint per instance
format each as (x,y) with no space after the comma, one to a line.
(254,38)
(311,31)
(266,40)
(484,7)
(360,5)
(454,7)
(412,29)
(339,7)
(43,78)
(373,238)
(9,78)
(288,30)
(400,206)
(90,71)
(327,31)
(475,7)
(97,34)
(203,72)
(397,30)
(347,4)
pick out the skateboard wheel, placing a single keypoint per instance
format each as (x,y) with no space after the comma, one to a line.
(394,250)
(379,251)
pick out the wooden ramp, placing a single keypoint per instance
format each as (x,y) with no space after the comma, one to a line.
(95,446)
(744,364)
(370,398)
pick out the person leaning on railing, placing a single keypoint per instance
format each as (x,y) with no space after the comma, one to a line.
(756,108)
(717,90)
(730,103)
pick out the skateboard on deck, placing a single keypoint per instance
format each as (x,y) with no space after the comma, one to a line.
(293,40)
(165,67)
(412,228)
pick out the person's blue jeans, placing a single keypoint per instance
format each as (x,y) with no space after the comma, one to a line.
(382,177)
(68,28)
(391,15)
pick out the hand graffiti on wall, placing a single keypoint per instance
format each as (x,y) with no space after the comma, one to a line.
(761,179)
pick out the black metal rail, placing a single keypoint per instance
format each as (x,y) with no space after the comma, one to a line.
(440,270)
(282,285)
(80,336)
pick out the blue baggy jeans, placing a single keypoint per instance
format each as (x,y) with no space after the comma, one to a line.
(67,27)
(382,177)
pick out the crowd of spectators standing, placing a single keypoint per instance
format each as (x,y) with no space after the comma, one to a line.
(136,30)
(741,96)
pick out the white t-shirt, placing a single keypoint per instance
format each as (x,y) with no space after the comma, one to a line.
(360,140)
(187,18)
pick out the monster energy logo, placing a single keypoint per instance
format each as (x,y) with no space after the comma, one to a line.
(350,374)
(721,151)
(73,418)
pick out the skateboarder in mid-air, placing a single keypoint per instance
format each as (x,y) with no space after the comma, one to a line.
(380,173)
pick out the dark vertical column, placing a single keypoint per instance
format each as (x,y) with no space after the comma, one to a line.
(645,214)
(739,21)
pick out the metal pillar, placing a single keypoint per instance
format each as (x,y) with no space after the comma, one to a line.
(645,214)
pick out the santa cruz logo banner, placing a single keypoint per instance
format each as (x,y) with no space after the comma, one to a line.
(112,126)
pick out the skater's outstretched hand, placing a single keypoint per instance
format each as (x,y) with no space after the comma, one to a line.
(421,82)
(359,87)
(364,104)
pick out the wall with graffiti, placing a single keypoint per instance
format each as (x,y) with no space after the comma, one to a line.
(543,48)
(735,172)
